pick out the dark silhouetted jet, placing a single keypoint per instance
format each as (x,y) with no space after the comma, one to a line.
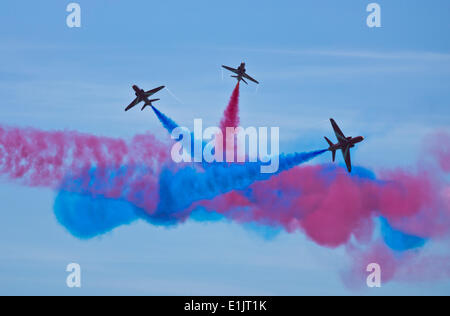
(142,96)
(344,144)
(240,73)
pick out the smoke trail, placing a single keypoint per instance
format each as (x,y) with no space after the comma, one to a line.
(231,113)
(95,201)
(170,125)
(230,119)
(86,216)
(180,188)
(167,122)
(41,158)
(104,183)
(335,209)
(162,200)
(331,207)
(398,240)
(325,203)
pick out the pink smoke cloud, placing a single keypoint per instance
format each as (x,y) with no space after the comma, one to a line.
(331,211)
(438,145)
(43,158)
(331,207)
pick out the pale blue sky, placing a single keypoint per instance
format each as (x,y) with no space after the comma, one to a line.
(315,59)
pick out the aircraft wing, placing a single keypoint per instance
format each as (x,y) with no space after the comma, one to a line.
(339,135)
(230,69)
(346,154)
(250,78)
(135,101)
(153,91)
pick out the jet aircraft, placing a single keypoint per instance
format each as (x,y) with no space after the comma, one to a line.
(142,96)
(344,144)
(240,73)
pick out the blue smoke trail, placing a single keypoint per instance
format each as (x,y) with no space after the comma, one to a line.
(167,122)
(180,188)
(397,240)
(86,214)
(170,125)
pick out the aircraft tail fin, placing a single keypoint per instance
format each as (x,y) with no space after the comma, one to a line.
(239,78)
(149,103)
(333,151)
(328,141)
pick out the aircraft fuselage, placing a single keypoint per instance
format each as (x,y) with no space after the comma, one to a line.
(342,144)
(241,69)
(240,73)
(140,93)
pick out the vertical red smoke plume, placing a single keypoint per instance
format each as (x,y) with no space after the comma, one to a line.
(230,119)
(231,113)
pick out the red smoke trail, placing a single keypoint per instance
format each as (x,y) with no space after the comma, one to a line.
(42,158)
(230,119)
(231,113)
(334,209)
(331,209)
